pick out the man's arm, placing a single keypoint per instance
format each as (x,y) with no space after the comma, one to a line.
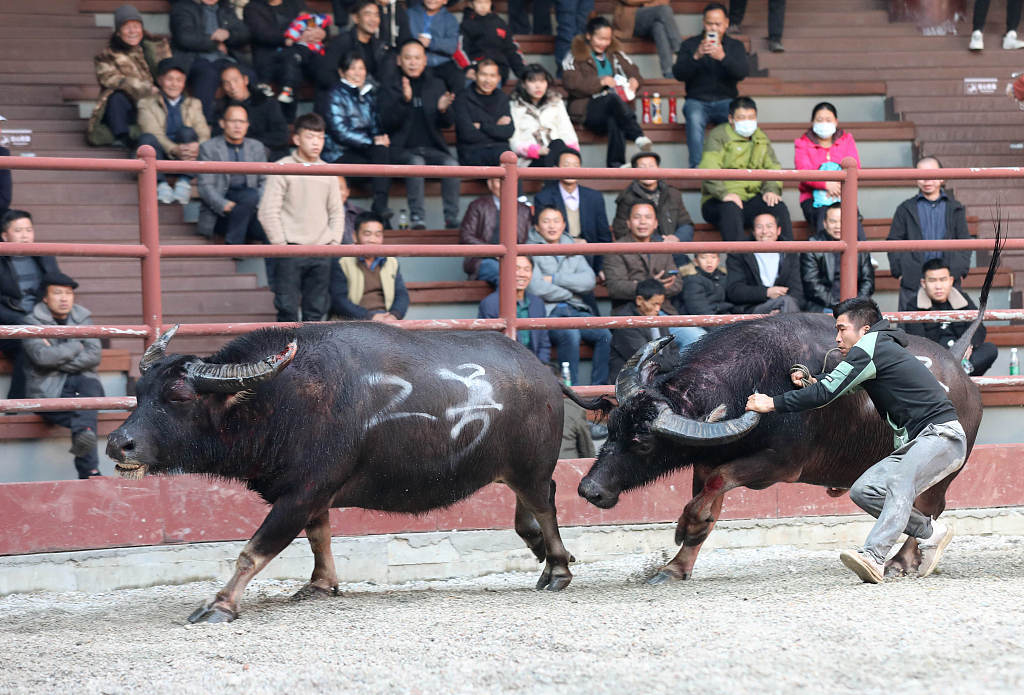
(897,232)
(857,368)
(269,212)
(208,190)
(335,214)
(340,304)
(575,275)
(87,358)
(735,62)
(616,276)
(400,305)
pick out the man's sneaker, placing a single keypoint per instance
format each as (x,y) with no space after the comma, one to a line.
(286,97)
(933,547)
(83,442)
(863,566)
(977,42)
(644,143)
(775,46)
(183,190)
(267,90)
(164,193)
(1010,41)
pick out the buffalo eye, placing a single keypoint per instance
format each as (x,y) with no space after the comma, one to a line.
(180,392)
(643,446)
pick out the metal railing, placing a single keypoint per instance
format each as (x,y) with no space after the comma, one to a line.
(150,251)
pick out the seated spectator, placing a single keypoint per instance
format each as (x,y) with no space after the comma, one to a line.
(577,440)
(266,121)
(483,122)
(355,134)
(302,51)
(206,37)
(650,296)
(65,367)
(6,183)
(438,31)
(674,222)
(414,107)
(268,20)
(602,82)
(528,305)
(485,35)
(561,281)
(764,283)
(174,126)
(938,294)
(352,211)
(543,128)
(649,19)
(21,289)
(370,287)
(481,226)
(822,147)
(932,214)
(711,65)
(820,269)
(704,291)
(623,272)
(125,74)
(359,39)
(739,144)
(302,210)
(581,207)
(230,201)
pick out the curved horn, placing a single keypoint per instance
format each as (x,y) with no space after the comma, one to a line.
(698,433)
(631,380)
(156,352)
(232,378)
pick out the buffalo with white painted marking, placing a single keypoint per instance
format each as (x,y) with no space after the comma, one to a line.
(352,415)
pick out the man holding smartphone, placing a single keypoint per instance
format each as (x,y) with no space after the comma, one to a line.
(711,65)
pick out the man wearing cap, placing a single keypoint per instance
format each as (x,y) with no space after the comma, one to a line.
(65,367)
(6,186)
(674,222)
(173,124)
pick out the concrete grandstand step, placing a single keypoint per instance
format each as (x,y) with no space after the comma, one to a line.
(913,103)
(29,113)
(11,17)
(10,30)
(82,193)
(1005,61)
(129,267)
(969,133)
(66,49)
(31,95)
(100,213)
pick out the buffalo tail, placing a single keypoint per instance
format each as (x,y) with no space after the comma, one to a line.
(602,403)
(959,348)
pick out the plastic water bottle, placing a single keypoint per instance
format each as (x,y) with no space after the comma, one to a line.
(403,219)
(1014,362)
(566,374)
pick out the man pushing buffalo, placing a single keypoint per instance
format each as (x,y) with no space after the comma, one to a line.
(930,443)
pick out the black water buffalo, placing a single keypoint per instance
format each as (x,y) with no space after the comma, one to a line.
(351,415)
(693,415)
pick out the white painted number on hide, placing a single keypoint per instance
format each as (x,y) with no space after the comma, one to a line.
(387,413)
(927,361)
(479,400)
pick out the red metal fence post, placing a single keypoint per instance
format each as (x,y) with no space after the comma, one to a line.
(149,236)
(509,222)
(848,260)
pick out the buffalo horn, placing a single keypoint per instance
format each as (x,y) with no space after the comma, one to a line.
(156,352)
(695,432)
(232,378)
(632,379)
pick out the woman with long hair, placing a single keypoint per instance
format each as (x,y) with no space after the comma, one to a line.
(543,127)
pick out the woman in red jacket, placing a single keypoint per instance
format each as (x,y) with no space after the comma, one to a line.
(822,147)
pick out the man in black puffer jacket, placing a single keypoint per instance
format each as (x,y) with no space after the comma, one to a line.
(820,269)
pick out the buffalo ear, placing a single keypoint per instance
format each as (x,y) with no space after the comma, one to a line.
(239,398)
(717,414)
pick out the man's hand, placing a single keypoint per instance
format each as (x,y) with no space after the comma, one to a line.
(833,188)
(407,90)
(771,199)
(444,101)
(716,52)
(608,81)
(187,152)
(547,278)
(424,39)
(543,151)
(504,120)
(665,280)
(600,277)
(797,379)
(776,291)
(579,240)
(670,237)
(734,199)
(382,140)
(634,84)
(476,124)
(471,74)
(383,317)
(229,206)
(220,35)
(760,403)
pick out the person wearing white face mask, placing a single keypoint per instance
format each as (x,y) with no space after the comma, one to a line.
(823,147)
(732,205)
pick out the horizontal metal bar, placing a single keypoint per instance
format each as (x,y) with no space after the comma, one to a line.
(936,245)
(33,331)
(331,250)
(71,163)
(944,174)
(69,249)
(631,174)
(595,249)
(53,405)
(171,166)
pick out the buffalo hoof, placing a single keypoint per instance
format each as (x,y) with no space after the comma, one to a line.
(553,582)
(665,577)
(312,591)
(210,613)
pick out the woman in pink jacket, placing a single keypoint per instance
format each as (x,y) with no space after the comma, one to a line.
(823,146)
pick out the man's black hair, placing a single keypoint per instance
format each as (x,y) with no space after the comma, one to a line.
(935,264)
(741,103)
(12,216)
(358,6)
(649,288)
(538,211)
(310,121)
(926,158)
(232,66)
(712,6)
(596,23)
(235,105)
(367,216)
(862,311)
(408,41)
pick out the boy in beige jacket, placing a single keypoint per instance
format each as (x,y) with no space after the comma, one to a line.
(298,209)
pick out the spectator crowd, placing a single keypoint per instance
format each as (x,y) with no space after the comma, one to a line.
(387,83)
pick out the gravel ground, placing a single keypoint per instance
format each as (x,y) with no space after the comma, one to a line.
(769,620)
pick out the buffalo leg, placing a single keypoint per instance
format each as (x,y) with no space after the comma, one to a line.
(529,530)
(539,500)
(681,566)
(280,528)
(324,581)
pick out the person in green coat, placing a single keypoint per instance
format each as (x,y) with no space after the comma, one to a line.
(732,205)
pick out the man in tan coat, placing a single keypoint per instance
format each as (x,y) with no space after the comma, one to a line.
(625,271)
(173,124)
(302,210)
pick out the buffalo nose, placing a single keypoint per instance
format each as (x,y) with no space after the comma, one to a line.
(120,445)
(595,494)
